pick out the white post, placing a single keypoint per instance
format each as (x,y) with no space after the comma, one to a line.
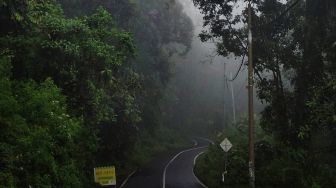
(233,102)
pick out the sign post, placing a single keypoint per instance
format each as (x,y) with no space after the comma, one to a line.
(226,146)
(105,176)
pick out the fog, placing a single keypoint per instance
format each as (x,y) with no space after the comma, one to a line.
(203,80)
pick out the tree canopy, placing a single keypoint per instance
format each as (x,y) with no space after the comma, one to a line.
(80,82)
(293,61)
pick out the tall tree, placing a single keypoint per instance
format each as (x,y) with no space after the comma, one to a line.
(293,47)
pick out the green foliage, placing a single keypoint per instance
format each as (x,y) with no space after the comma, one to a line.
(211,165)
(75,95)
(293,60)
(88,65)
(38,137)
(150,144)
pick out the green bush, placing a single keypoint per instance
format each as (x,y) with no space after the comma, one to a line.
(37,136)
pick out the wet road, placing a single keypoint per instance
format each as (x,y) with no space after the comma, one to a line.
(170,171)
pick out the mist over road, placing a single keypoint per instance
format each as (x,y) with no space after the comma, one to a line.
(170,171)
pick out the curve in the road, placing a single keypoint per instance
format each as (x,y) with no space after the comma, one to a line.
(199,181)
(193,154)
(172,160)
(169,170)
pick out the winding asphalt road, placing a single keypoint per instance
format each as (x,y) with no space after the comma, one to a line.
(171,171)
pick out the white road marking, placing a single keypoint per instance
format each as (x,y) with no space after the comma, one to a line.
(197,157)
(172,160)
(128,177)
(199,181)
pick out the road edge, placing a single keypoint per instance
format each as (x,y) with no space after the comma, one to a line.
(195,160)
(172,160)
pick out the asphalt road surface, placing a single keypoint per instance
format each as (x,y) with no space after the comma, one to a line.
(170,170)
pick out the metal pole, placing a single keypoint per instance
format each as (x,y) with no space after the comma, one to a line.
(233,101)
(250,99)
(224,110)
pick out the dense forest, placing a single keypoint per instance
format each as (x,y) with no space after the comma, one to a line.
(294,45)
(91,83)
(82,85)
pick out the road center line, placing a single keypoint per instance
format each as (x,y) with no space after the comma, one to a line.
(172,160)
(128,177)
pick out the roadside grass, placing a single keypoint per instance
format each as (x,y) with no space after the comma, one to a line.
(210,166)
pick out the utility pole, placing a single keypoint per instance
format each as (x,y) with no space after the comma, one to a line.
(250,100)
(233,101)
(224,110)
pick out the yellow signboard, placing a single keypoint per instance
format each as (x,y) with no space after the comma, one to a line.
(105,175)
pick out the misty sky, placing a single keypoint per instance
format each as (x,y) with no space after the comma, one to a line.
(205,68)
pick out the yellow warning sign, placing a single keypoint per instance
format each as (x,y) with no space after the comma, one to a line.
(105,175)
